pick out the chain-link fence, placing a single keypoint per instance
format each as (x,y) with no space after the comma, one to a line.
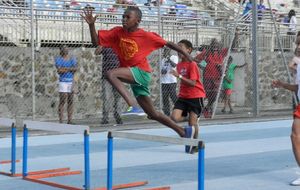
(37,81)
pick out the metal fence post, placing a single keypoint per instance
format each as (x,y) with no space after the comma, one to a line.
(254,60)
(32,58)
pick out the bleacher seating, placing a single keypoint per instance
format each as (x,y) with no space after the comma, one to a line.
(61,11)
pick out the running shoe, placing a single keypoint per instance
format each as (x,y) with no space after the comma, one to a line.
(133,111)
(295,182)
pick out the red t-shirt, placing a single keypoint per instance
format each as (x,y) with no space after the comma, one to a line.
(132,48)
(214,62)
(190,71)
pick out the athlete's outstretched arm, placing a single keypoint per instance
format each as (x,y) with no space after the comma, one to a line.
(175,47)
(291,87)
(90,19)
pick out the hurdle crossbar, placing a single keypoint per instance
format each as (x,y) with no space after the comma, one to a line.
(6,122)
(156,138)
(63,128)
(144,137)
(57,127)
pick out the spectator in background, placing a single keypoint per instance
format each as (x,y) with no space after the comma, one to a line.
(125,2)
(235,42)
(168,80)
(66,67)
(213,56)
(292,22)
(260,9)
(228,83)
(89,7)
(154,2)
(248,7)
(108,92)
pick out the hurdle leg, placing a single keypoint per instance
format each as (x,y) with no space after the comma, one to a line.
(110,162)
(201,166)
(86,161)
(25,147)
(13,149)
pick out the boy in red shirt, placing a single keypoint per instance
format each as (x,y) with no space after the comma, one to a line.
(191,92)
(133,45)
(214,57)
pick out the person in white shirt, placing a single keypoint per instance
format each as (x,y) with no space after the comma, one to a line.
(292,23)
(168,81)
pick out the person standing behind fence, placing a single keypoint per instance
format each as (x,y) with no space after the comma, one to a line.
(261,8)
(213,56)
(109,61)
(168,81)
(132,45)
(248,7)
(191,92)
(66,67)
(292,23)
(228,83)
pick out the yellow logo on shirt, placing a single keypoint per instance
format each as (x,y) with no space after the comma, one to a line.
(128,48)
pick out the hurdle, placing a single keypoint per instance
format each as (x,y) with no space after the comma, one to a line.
(37,176)
(143,137)
(5,122)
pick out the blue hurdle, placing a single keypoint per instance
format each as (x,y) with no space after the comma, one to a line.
(143,137)
(38,175)
(5,122)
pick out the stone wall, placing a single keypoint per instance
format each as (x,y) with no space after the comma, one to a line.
(270,67)
(16,82)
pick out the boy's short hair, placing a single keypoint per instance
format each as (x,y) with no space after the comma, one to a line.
(136,10)
(187,43)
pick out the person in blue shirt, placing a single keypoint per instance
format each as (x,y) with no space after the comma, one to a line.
(248,7)
(66,67)
(260,9)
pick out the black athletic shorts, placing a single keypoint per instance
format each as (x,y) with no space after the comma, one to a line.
(189,105)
